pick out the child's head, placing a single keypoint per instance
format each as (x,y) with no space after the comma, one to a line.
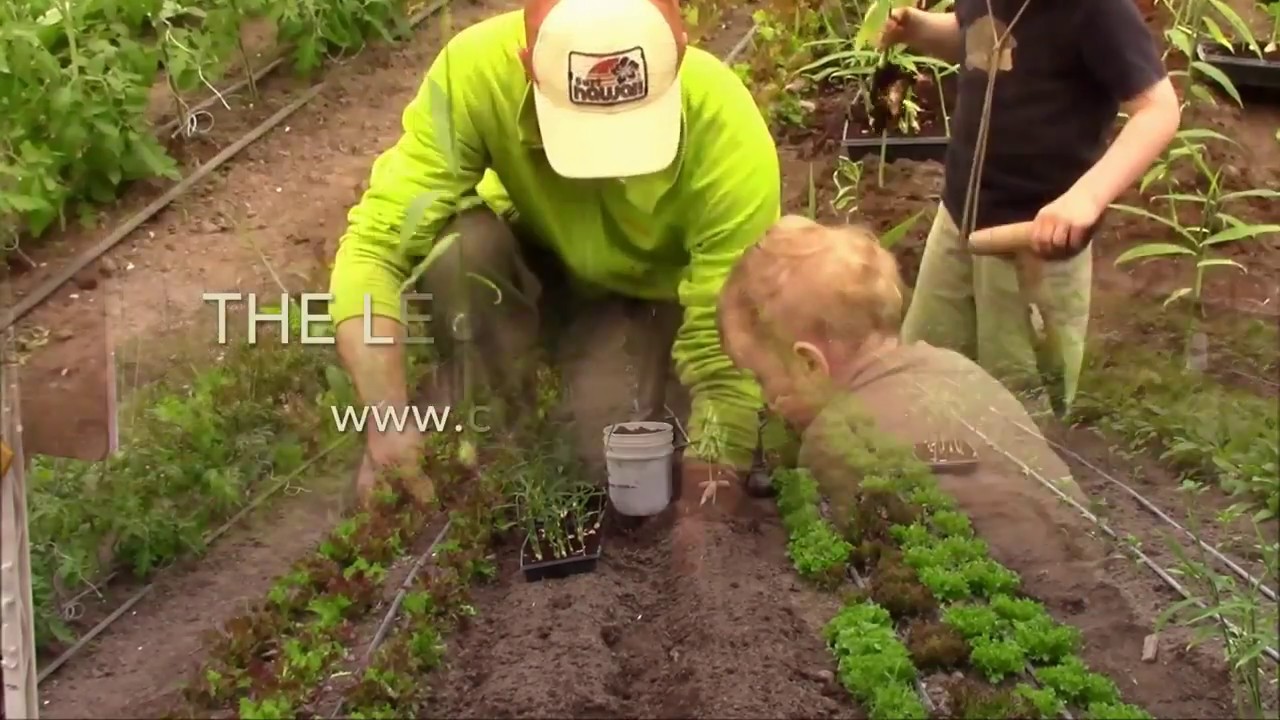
(802,304)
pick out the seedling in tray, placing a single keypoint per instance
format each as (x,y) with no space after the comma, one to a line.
(561,513)
(949,456)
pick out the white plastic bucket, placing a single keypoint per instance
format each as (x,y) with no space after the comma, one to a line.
(639,466)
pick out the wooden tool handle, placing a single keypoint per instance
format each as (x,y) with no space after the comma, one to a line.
(1001,239)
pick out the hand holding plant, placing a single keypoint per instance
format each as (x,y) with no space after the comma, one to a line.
(394,457)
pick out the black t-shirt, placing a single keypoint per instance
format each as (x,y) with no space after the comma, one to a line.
(1066,69)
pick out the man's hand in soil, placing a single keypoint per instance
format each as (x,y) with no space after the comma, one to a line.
(707,488)
(394,458)
(1061,229)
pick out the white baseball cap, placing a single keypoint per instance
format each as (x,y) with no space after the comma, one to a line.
(606,85)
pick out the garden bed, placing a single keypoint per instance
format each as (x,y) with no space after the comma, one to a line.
(908,120)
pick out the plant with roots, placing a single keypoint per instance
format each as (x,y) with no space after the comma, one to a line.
(710,446)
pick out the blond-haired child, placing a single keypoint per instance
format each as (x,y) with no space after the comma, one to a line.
(814,312)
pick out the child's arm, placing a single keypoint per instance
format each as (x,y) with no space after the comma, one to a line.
(1121,55)
(1154,115)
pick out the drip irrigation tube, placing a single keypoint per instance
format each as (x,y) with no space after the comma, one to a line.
(1154,510)
(44,290)
(389,618)
(97,630)
(1138,554)
(919,684)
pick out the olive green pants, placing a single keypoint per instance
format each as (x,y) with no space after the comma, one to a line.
(1030,336)
(492,294)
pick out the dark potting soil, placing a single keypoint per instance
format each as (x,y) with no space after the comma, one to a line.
(634,431)
(740,637)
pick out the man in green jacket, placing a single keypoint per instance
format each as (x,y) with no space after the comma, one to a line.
(585,132)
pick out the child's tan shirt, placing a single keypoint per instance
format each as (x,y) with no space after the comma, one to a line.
(917,393)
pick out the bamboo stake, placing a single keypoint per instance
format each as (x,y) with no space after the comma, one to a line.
(17,627)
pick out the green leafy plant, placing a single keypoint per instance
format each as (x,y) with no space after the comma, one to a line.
(1238,615)
(1197,240)
(815,547)
(870,658)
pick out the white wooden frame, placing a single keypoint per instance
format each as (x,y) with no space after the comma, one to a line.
(17,627)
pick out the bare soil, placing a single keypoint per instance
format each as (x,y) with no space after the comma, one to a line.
(640,638)
(138,666)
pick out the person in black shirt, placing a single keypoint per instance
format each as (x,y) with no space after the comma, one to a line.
(1064,72)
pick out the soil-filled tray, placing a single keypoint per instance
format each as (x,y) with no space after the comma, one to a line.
(888,135)
(1243,67)
(546,563)
(948,456)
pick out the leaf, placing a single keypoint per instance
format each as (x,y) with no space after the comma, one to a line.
(896,233)
(1258,193)
(436,250)
(1241,28)
(1152,216)
(875,19)
(1152,250)
(413,215)
(1220,262)
(1240,233)
(1176,295)
(1220,78)
(442,121)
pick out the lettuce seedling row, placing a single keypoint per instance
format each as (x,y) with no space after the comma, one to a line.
(931,574)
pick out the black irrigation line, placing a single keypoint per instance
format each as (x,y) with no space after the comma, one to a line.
(923,694)
(1155,510)
(1102,525)
(45,290)
(119,612)
(389,619)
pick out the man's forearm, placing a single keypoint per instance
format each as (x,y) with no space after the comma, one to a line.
(1152,124)
(376,370)
(936,35)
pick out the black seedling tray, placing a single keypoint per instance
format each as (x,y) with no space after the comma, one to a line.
(556,568)
(921,149)
(954,457)
(1244,69)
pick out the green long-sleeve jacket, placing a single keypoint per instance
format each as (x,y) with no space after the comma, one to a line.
(472,130)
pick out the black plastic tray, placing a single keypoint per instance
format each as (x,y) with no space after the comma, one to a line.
(920,149)
(960,457)
(563,567)
(1244,69)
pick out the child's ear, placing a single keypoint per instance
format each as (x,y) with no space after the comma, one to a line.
(811,358)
